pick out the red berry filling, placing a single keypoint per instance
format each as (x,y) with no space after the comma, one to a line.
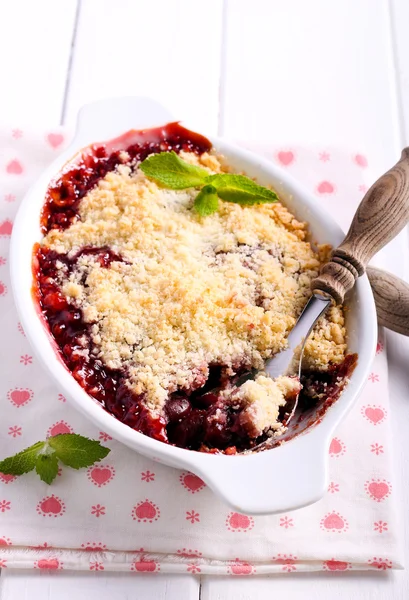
(72,336)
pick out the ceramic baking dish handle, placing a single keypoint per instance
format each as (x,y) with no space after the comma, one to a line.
(292,476)
(111,117)
(391,296)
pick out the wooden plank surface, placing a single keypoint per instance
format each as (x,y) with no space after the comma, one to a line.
(399,22)
(166,50)
(312,72)
(35,47)
(31,585)
(308,586)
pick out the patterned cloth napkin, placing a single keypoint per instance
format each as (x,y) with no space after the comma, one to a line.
(131,514)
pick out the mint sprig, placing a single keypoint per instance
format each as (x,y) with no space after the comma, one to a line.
(207,201)
(169,170)
(241,190)
(173,172)
(47,467)
(22,462)
(77,451)
(73,450)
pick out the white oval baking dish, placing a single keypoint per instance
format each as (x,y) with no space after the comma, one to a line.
(284,478)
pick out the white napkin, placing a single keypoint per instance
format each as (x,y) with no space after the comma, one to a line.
(131,514)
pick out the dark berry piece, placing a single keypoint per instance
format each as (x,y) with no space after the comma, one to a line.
(177,408)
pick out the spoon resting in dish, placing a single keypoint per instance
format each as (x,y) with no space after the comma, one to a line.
(381,215)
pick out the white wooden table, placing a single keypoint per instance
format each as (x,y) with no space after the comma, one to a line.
(320,71)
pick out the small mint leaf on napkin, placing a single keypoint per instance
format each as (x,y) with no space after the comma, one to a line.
(73,450)
(172,172)
(207,201)
(22,462)
(241,190)
(47,467)
(77,451)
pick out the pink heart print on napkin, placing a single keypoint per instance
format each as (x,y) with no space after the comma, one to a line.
(325,187)
(374,414)
(146,512)
(131,514)
(191,482)
(19,397)
(285,158)
(14,167)
(6,228)
(55,139)
(100,476)
(51,506)
(48,563)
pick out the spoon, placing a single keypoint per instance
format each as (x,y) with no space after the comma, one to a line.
(382,213)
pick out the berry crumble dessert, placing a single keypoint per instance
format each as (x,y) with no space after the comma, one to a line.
(157,308)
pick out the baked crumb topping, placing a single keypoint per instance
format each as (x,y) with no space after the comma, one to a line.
(189,292)
(260,400)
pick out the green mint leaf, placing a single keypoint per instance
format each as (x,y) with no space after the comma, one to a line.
(168,169)
(73,450)
(206,202)
(23,461)
(172,172)
(77,451)
(240,189)
(47,467)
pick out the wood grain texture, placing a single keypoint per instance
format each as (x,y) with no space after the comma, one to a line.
(399,19)
(306,586)
(64,585)
(381,215)
(168,50)
(35,47)
(392,300)
(291,77)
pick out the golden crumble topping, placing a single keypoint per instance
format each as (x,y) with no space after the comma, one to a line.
(260,400)
(190,291)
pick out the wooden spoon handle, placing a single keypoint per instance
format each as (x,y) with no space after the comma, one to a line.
(391,298)
(383,212)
